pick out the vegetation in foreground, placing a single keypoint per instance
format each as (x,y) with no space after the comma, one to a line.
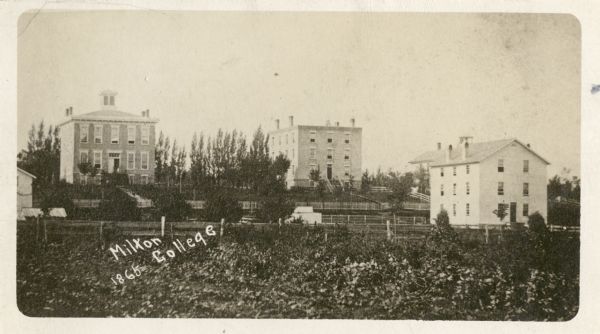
(294,272)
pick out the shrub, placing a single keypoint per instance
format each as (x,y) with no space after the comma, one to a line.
(222,203)
(57,197)
(118,206)
(172,205)
(536,223)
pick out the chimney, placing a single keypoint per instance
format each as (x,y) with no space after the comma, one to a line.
(291,121)
(277,124)
(439,146)
(352,122)
(449,153)
(465,151)
(337,123)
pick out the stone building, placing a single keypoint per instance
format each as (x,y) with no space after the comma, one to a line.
(333,149)
(110,140)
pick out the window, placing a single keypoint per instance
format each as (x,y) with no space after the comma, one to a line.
(130,160)
(98,159)
(468,169)
(83,133)
(347,171)
(105,100)
(144,158)
(131,178)
(454,189)
(293,138)
(293,153)
(279,140)
(468,209)
(131,134)
(454,210)
(98,134)
(313,152)
(525,189)
(347,155)
(347,139)
(114,134)
(525,166)
(144,179)
(83,156)
(442,171)
(329,153)
(286,139)
(330,140)
(501,166)
(500,188)
(454,171)
(442,190)
(468,187)
(313,134)
(112,100)
(441,206)
(286,153)
(525,210)
(145,135)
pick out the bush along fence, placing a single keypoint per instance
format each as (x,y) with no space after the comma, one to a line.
(395,229)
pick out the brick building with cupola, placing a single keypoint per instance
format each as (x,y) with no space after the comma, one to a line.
(110,140)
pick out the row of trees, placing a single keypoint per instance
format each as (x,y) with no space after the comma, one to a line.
(42,155)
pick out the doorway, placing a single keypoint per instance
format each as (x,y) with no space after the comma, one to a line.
(114,160)
(329,172)
(513,212)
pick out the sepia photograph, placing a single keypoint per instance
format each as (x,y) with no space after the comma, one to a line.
(298,165)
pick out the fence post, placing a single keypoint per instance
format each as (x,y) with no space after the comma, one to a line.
(162,226)
(222,226)
(325,236)
(45,232)
(171,226)
(348,219)
(37,229)
(487,233)
(279,223)
(365,219)
(389,232)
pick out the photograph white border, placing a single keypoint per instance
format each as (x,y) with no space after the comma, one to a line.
(587,320)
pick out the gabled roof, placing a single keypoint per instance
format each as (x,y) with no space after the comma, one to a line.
(26,173)
(477,153)
(111,115)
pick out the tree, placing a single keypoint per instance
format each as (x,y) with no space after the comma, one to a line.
(400,185)
(315,175)
(365,182)
(84,169)
(42,156)
(501,211)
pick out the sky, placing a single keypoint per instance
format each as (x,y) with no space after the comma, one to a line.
(409,80)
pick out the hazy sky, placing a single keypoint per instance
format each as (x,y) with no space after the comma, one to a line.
(410,80)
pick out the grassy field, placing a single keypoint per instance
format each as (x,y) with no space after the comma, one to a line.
(295,273)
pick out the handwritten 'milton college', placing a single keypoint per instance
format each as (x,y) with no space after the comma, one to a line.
(130,247)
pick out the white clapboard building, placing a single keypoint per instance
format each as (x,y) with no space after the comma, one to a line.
(472,180)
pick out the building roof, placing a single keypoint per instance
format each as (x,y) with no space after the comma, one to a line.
(26,173)
(111,115)
(477,153)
